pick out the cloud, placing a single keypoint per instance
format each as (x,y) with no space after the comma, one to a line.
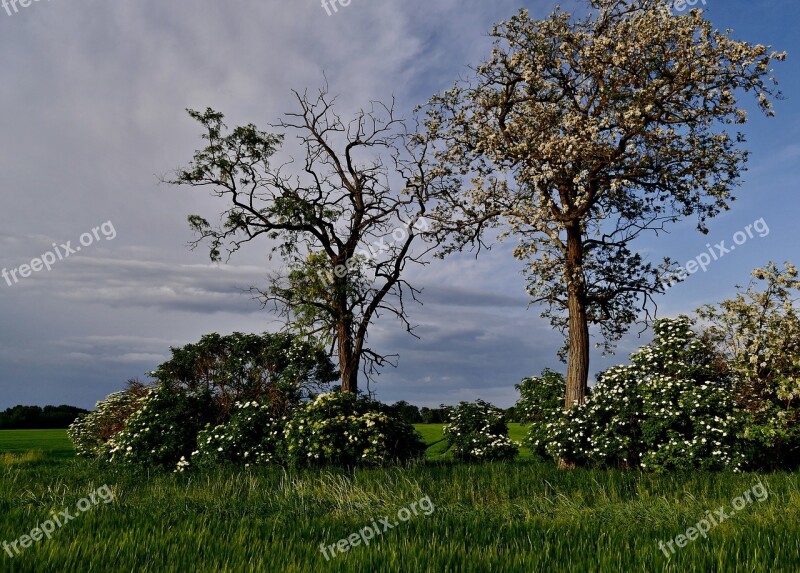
(93,99)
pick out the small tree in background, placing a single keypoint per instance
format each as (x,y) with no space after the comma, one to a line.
(438,415)
(408,412)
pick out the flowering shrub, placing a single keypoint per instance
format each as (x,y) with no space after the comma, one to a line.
(164,429)
(771,438)
(253,436)
(541,402)
(90,433)
(758,331)
(477,431)
(671,408)
(344,429)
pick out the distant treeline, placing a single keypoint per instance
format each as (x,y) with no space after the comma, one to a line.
(440,415)
(37,418)
(57,417)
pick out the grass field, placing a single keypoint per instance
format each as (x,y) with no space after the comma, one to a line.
(521,516)
(54,443)
(433,435)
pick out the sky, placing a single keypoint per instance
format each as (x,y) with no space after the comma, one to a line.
(93,97)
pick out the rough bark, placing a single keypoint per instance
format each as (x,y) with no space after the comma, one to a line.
(578,356)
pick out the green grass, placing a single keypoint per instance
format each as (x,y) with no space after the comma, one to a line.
(433,435)
(54,443)
(521,516)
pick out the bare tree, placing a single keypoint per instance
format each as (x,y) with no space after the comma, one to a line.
(582,134)
(344,219)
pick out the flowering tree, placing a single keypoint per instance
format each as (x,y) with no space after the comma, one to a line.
(759,333)
(584,133)
(342,223)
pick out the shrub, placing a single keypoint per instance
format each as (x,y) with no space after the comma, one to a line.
(671,408)
(252,436)
(541,402)
(276,368)
(91,433)
(345,429)
(477,431)
(164,430)
(771,438)
(758,331)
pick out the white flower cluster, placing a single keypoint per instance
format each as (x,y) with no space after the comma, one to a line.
(477,432)
(251,437)
(339,428)
(669,409)
(91,433)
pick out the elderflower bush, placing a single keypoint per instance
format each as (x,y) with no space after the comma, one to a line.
(90,433)
(477,432)
(252,436)
(671,408)
(164,430)
(344,429)
(771,438)
(541,403)
(758,331)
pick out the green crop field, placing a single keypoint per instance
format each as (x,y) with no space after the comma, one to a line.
(53,443)
(504,517)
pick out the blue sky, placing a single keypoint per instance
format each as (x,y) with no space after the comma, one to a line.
(93,96)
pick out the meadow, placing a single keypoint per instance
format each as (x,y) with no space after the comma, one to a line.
(504,517)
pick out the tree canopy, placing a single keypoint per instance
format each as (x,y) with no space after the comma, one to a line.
(581,134)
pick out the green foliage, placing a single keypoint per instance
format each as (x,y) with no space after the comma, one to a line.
(438,415)
(347,430)
(478,432)
(164,430)
(671,408)
(252,436)
(771,438)
(541,402)
(276,368)
(313,288)
(407,412)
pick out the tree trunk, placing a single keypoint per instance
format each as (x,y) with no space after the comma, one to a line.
(348,362)
(578,361)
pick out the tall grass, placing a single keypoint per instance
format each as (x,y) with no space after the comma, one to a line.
(522,516)
(7,459)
